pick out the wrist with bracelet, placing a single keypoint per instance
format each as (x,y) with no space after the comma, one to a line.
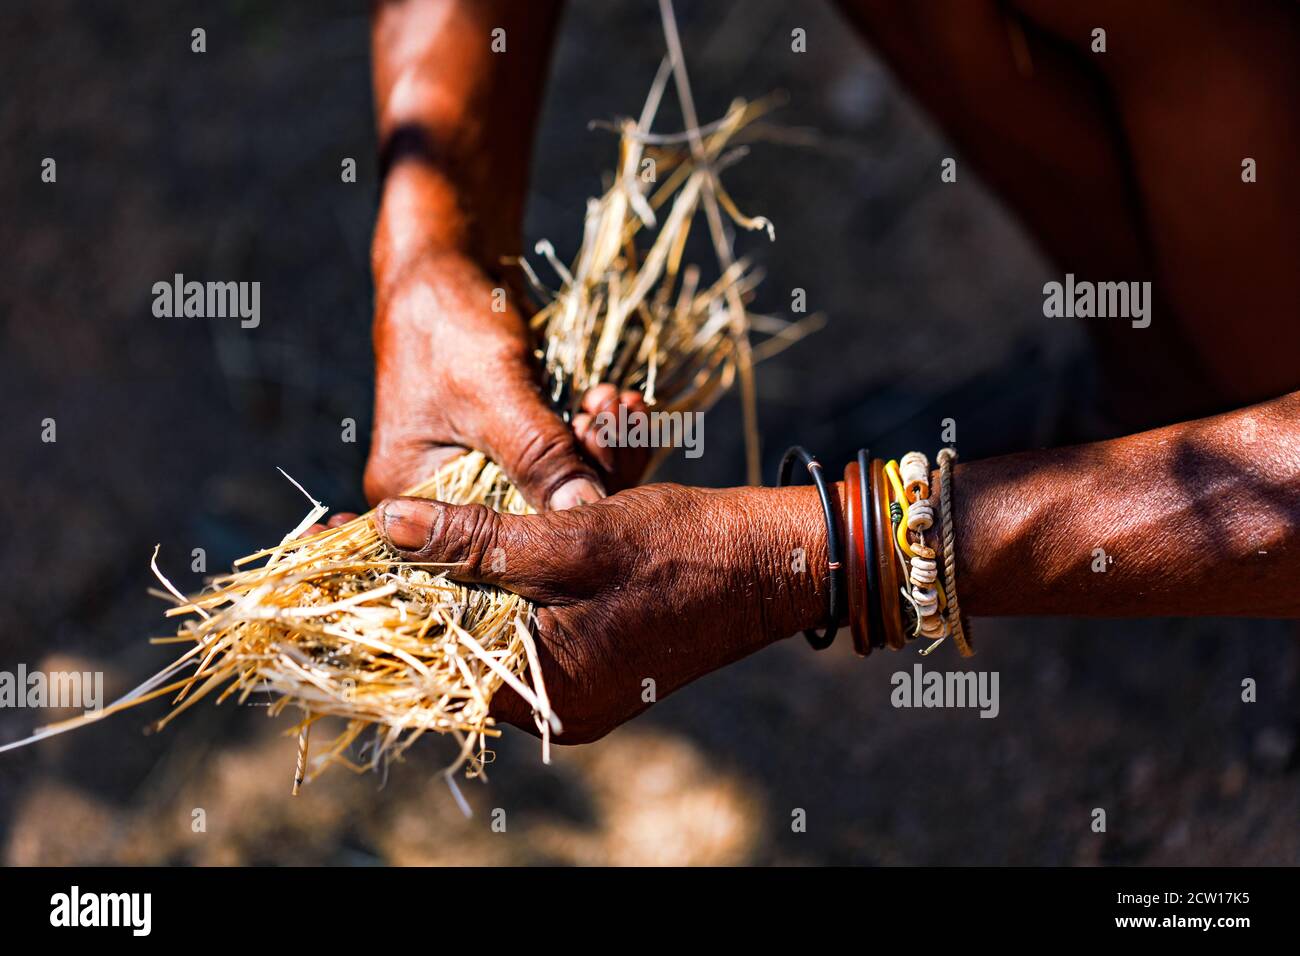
(891,574)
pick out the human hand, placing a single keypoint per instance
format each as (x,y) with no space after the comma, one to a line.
(454,373)
(659,584)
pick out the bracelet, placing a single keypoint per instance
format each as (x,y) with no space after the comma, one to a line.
(908,619)
(957,625)
(856,567)
(893,634)
(835,553)
(931,578)
(871,532)
(887,512)
(863,558)
(922,576)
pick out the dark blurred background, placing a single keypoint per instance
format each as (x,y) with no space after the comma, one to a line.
(225,165)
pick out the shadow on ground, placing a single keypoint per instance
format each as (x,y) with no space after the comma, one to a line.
(170,431)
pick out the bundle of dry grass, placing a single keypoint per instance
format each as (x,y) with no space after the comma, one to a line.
(337,625)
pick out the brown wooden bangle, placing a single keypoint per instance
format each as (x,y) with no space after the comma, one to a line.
(859,622)
(891,610)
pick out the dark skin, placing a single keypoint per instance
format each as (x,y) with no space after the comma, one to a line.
(670,583)
(1125,165)
(452,202)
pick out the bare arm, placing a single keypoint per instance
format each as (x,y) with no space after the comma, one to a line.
(456,121)
(1201,518)
(662,581)
(458,84)
(1127,165)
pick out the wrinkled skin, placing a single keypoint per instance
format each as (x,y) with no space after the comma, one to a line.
(413,455)
(661,583)
(437,342)
(453,356)
(670,583)
(1098,156)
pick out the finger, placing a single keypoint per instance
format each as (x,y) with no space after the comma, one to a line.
(598,397)
(600,434)
(539,452)
(601,403)
(632,463)
(522,553)
(312,531)
(581,423)
(393,469)
(601,400)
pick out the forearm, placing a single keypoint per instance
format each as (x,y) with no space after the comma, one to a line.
(455,122)
(659,585)
(1201,518)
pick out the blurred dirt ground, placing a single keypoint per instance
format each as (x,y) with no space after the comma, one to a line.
(227,165)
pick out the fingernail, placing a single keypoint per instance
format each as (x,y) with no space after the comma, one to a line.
(579,491)
(403,525)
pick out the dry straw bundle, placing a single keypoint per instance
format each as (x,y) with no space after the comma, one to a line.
(338,625)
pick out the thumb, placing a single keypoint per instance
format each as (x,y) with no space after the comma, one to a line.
(540,453)
(479,545)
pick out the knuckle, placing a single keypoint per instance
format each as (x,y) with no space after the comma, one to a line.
(564,551)
(475,530)
(580,548)
(544,452)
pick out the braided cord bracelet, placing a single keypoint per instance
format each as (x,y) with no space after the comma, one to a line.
(956,625)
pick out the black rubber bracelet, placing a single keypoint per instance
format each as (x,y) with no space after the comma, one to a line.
(834,548)
(875,614)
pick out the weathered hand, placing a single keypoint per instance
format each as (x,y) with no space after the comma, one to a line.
(658,584)
(453,373)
